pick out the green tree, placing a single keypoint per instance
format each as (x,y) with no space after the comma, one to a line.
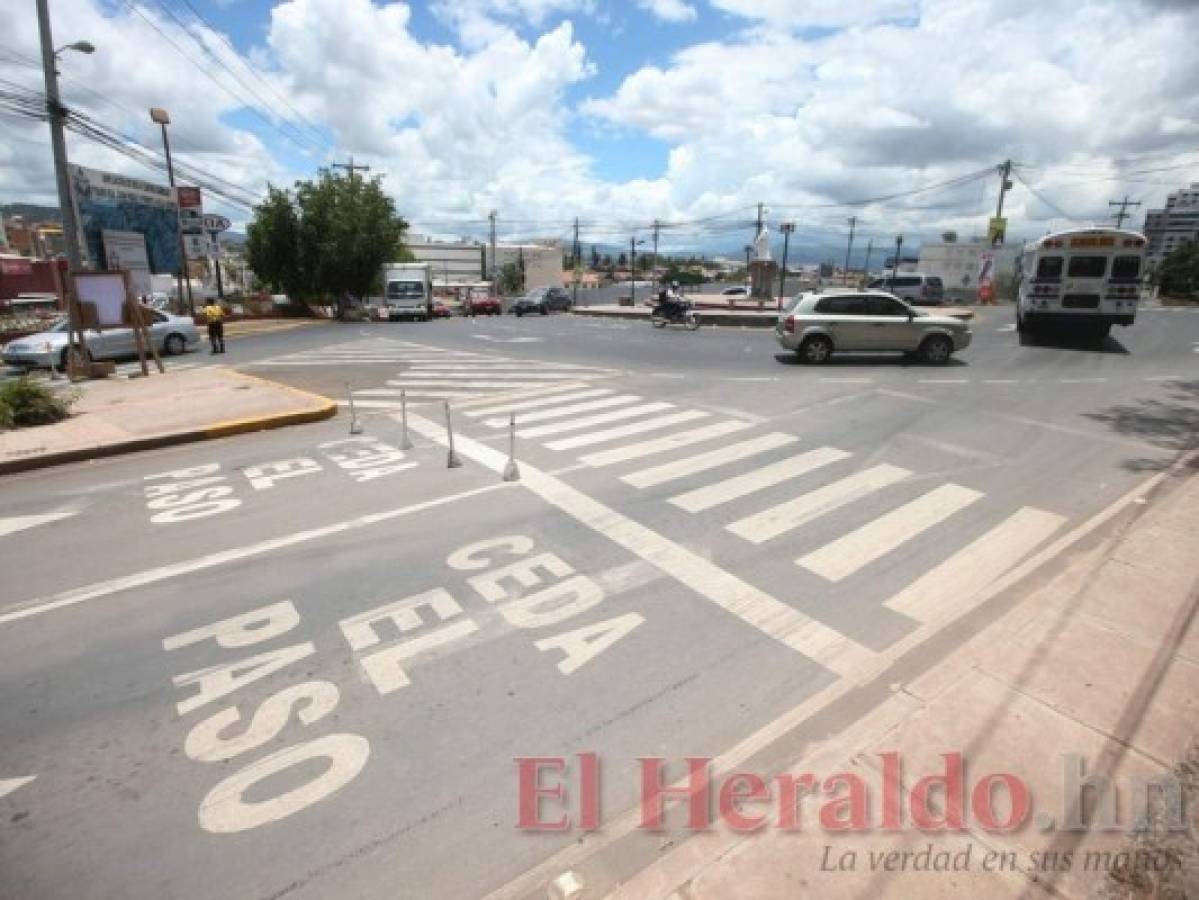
(512,278)
(328,240)
(1178,275)
(272,242)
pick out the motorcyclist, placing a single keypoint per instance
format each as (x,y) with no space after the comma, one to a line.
(671,301)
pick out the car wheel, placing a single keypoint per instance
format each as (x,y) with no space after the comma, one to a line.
(174,345)
(816,349)
(936,349)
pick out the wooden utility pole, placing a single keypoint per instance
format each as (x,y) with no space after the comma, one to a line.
(1123,213)
(350,167)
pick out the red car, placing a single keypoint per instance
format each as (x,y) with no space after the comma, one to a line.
(483,306)
(441,311)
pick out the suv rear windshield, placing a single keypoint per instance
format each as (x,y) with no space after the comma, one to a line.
(1049,267)
(1087,266)
(1126,267)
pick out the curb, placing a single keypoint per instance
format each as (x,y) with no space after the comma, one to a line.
(324,409)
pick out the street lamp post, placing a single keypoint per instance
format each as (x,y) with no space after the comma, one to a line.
(633,244)
(787,228)
(895,267)
(57,114)
(162,118)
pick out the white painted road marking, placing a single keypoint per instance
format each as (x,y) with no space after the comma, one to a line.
(887,533)
(612,434)
(661,445)
(975,566)
(537,404)
(8,785)
(604,418)
(14,524)
(558,412)
(772,617)
(161,573)
(710,460)
(790,515)
(712,495)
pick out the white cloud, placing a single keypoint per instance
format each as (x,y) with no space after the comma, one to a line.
(819,13)
(670,10)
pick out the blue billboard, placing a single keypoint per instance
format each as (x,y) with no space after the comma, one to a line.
(105,201)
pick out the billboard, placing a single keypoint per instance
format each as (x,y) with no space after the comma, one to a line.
(127,250)
(191,222)
(105,201)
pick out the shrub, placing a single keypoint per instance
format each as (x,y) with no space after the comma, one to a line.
(25,402)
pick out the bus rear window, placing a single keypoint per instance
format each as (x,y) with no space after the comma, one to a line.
(1126,267)
(1049,267)
(1087,266)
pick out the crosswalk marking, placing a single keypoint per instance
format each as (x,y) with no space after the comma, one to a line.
(480,383)
(520,405)
(612,434)
(499,366)
(625,412)
(784,517)
(529,374)
(852,551)
(558,412)
(661,445)
(712,495)
(975,566)
(397,392)
(701,462)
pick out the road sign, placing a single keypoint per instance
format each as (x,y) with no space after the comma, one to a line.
(216,223)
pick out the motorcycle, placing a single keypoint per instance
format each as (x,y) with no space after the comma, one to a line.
(682,314)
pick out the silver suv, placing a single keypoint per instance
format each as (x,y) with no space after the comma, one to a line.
(914,287)
(818,325)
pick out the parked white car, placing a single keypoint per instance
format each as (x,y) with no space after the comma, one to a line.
(171,335)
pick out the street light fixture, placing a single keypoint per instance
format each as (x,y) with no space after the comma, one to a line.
(79,46)
(162,118)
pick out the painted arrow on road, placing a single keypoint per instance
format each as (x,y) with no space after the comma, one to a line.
(20,523)
(8,785)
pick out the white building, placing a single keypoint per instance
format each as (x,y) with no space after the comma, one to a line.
(1167,229)
(457,263)
(957,263)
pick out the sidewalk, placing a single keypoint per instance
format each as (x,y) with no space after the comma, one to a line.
(1102,661)
(123,415)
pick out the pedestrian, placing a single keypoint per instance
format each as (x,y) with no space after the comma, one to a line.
(215,316)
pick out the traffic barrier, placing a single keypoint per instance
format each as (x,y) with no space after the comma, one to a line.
(355,425)
(451,460)
(511,470)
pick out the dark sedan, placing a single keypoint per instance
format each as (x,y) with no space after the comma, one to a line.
(542,301)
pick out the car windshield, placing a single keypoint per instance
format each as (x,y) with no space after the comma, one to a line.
(405,290)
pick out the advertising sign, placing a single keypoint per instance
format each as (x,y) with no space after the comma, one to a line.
(996,230)
(191,222)
(216,223)
(127,250)
(106,201)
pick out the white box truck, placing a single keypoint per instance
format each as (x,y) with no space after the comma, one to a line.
(407,291)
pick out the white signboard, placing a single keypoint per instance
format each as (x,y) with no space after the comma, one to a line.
(105,291)
(127,250)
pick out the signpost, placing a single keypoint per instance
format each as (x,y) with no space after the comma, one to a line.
(214,225)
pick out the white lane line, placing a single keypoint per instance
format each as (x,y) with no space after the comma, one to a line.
(1006,328)
(604,418)
(537,404)
(784,517)
(357,361)
(1001,381)
(612,434)
(100,589)
(437,382)
(725,590)
(847,380)
(8,785)
(558,412)
(14,524)
(703,461)
(499,366)
(859,548)
(975,566)
(531,375)
(662,444)
(1082,380)
(1165,377)
(943,380)
(747,483)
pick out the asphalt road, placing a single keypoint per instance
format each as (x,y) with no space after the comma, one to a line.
(300,664)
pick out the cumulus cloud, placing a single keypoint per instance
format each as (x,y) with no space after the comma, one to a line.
(819,13)
(670,10)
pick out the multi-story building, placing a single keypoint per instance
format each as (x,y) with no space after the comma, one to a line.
(1168,228)
(458,263)
(957,263)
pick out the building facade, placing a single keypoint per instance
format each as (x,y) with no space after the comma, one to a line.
(1168,228)
(458,263)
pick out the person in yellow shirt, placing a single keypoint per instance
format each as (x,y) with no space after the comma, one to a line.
(215,316)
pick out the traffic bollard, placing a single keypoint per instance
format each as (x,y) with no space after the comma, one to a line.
(405,441)
(512,471)
(355,425)
(451,460)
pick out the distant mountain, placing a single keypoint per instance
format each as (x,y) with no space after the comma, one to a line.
(31,212)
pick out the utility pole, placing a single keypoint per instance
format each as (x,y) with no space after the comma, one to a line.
(786,228)
(866,265)
(895,267)
(493,268)
(574,300)
(653,269)
(350,167)
(853,221)
(1123,213)
(633,270)
(70,220)
(1005,185)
